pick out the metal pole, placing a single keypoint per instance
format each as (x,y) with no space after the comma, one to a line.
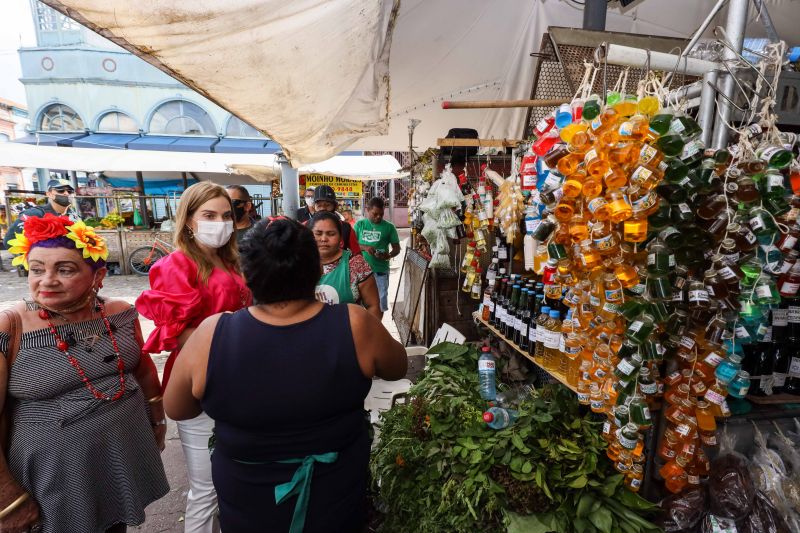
(594,15)
(766,20)
(73,178)
(142,199)
(290,187)
(185,181)
(734,29)
(699,33)
(705,114)
(391,201)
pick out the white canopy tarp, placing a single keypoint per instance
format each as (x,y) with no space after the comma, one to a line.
(315,75)
(262,167)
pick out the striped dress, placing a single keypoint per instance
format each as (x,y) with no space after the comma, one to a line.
(88,463)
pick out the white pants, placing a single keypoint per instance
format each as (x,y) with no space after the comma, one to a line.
(201,502)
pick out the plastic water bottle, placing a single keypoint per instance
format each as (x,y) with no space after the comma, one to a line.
(499,417)
(486,375)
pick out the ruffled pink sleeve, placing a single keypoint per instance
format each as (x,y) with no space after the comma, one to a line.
(174,301)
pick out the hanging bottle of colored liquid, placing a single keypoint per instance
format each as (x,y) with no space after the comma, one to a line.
(552,341)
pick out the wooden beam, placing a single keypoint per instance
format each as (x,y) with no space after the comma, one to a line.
(488,143)
(491,104)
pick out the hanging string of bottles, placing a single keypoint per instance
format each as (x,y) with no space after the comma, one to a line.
(672,262)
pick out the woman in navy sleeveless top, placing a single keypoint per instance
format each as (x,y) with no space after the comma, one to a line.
(285,382)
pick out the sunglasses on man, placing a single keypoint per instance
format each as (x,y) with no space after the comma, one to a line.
(64,190)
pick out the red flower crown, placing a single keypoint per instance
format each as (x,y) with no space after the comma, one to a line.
(38,229)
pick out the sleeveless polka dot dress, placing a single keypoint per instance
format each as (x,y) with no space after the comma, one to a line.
(88,463)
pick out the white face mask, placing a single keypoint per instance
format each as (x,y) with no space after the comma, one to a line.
(214,234)
(309,201)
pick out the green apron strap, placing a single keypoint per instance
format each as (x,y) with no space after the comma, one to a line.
(300,485)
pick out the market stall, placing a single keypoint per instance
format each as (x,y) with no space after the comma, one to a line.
(639,253)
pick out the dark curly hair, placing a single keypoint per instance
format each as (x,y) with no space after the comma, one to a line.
(280,261)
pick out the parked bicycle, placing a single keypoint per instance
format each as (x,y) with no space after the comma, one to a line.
(141,260)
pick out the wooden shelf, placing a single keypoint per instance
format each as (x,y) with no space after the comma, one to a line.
(479,143)
(556,375)
(775,399)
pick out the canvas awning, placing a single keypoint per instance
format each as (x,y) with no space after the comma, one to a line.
(261,167)
(317,76)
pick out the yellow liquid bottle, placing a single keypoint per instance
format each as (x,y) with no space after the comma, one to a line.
(649,106)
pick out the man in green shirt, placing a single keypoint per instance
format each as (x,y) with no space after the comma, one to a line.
(375,236)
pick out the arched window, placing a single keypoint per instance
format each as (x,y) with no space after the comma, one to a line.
(181,118)
(116,121)
(59,117)
(238,128)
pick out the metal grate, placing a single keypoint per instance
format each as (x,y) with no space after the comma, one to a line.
(564,51)
(408,306)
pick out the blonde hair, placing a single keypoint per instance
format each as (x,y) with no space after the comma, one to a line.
(190,201)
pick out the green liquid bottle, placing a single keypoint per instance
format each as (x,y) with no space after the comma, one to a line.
(592,108)
(774,156)
(671,144)
(660,123)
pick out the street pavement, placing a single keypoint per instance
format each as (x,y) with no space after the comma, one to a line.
(165,515)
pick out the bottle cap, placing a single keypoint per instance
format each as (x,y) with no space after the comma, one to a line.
(555,314)
(485,349)
(545,310)
(488,417)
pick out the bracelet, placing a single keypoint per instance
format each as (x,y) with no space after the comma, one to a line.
(162,422)
(156,399)
(14,505)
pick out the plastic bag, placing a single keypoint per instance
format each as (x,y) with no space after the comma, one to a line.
(731,489)
(448,192)
(764,518)
(681,512)
(767,469)
(717,524)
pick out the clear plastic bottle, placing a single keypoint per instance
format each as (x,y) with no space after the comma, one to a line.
(499,417)
(487,374)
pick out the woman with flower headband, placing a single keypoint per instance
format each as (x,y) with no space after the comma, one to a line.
(197,280)
(83,415)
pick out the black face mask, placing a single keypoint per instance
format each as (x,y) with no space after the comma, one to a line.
(238,212)
(62,200)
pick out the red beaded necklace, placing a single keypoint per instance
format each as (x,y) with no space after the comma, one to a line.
(63,346)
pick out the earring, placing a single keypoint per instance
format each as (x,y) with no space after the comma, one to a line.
(191,233)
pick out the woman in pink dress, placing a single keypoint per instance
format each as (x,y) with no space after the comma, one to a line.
(199,279)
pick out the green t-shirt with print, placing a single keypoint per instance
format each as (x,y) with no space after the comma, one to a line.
(379,236)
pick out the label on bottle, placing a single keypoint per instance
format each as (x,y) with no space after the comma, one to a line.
(626,442)
(531,224)
(485,364)
(635,326)
(635,483)
(640,176)
(686,181)
(687,342)
(551,182)
(676,126)
(788,242)
(794,368)
(596,203)
(683,430)
(714,397)
(613,295)
(741,332)
(700,295)
(644,203)
(639,289)
(591,154)
(667,233)
(775,180)
(571,350)
(625,367)
(542,126)
(793,314)
(487,301)
(605,243)
(596,123)
(789,289)
(532,333)
(502,253)
(600,373)
(713,359)
(583,397)
(709,438)
(710,290)
(596,405)
(756,223)
(766,384)
(693,479)
(648,388)
(763,291)
(684,208)
(778,379)
(621,467)
(626,129)
(691,149)
(552,340)
(727,273)
(561,343)
(647,154)
(767,153)
(780,317)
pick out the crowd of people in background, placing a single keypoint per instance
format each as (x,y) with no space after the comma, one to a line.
(274,333)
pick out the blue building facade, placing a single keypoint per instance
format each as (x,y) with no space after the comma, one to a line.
(84,91)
